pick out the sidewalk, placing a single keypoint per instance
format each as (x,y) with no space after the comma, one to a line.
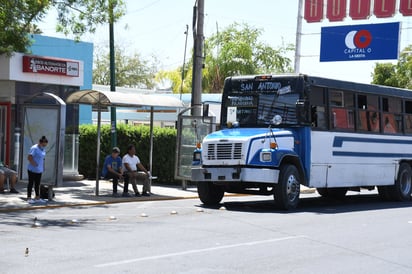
(81,193)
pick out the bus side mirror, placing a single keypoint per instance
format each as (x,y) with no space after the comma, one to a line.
(205,110)
(302,112)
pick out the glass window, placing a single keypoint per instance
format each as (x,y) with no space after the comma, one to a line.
(283,105)
(408,106)
(317,103)
(391,115)
(336,98)
(368,113)
(342,114)
(408,124)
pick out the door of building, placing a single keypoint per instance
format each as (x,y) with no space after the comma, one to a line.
(5,114)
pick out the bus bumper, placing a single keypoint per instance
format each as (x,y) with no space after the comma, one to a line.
(234,174)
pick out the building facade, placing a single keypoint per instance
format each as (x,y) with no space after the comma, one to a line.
(33,89)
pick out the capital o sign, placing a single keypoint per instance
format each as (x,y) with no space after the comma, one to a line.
(358,39)
(360,42)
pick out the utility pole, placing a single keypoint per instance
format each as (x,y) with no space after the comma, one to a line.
(198,19)
(112,75)
(298,37)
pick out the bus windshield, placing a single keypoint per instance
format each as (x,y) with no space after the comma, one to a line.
(255,102)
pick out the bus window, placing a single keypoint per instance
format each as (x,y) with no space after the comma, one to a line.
(391,109)
(368,114)
(342,114)
(282,104)
(317,103)
(408,117)
(241,108)
(408,124)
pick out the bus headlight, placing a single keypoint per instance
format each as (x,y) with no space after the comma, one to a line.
(266,156)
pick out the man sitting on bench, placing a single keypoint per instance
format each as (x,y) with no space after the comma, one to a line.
(5,173)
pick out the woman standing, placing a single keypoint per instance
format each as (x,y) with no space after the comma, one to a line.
(35,168)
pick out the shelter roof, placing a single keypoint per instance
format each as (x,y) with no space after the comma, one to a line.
(120,99)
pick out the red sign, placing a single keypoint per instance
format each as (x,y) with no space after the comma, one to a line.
(47,65)
(336,10)
(406,7)
(384,8)
(359,9)
(313,11)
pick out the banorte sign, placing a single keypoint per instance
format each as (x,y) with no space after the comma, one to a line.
(358,9)
(46,65)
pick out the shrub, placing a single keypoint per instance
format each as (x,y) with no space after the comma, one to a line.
(164,148)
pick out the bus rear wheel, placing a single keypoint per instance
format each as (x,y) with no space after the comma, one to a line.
(287,190)
(209,193)
(402,189)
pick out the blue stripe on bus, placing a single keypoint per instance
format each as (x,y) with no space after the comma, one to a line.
(338,141)
(371,154)
(269,136)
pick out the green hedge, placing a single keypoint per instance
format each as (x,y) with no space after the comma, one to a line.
(164,148)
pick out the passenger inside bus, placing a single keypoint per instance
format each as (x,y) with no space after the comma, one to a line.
(389,124)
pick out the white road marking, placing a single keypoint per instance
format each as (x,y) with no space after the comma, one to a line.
(193,251)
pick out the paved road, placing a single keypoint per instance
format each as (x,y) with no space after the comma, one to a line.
(245,235)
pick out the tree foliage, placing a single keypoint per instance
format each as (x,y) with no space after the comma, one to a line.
(234,51)
(395,75)
(237,50)
(175,79)
(18,19)
(83,16)
(130,71)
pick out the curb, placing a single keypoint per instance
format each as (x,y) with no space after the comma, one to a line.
(122,200)
(35,207)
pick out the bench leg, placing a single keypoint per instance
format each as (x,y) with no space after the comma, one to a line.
(50,193)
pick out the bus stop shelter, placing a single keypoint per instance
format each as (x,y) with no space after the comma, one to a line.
(103,99)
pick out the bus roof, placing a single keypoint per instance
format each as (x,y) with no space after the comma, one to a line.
(332,83)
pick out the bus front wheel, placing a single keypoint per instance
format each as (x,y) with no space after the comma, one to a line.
(287,190)
(402,189)
(209,193)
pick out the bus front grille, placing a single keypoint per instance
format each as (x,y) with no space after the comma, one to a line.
(226,151)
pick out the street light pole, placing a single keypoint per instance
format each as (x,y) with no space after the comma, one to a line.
(112,76)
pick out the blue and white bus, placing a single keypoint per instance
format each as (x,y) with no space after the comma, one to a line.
(283,131)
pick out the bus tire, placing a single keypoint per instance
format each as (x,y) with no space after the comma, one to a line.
(286,194)
(402,189)
(209,193)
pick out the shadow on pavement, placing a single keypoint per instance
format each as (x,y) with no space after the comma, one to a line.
(319,205)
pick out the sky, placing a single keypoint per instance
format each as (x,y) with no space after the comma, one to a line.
(157,27)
